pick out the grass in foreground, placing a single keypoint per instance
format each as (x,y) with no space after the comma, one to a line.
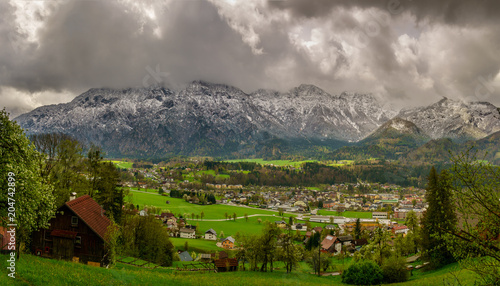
(32,270)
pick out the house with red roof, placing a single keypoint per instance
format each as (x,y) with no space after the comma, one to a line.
(77,232)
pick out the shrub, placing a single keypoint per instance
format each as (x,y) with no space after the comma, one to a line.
(364,272)
(394,270)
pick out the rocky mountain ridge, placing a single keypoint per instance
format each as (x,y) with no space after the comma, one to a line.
(221,120)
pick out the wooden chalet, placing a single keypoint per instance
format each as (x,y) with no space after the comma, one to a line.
(77,232)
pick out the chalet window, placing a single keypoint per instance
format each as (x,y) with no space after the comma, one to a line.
(74,221)
(78,240)
(47,235)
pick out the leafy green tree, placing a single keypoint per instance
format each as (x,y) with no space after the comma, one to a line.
(317,260)
(477,195)
(394,269)
(246,217)
(365,272)
(267,245)
(438,219)
(289,252)
(26,192)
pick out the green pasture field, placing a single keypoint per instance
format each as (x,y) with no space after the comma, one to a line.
(350,214)
(143,190)
(190,176)
(177,206)
(122,164)
(196,245)
(33,270)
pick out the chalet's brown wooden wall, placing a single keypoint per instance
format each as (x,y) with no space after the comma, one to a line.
(91,248)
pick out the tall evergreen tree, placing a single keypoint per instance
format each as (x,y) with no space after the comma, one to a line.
(439,218)
(357,229)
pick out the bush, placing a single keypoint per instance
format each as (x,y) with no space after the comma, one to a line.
(364,272)
(394,270)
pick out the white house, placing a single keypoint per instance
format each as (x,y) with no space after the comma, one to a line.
(379,215)
(211,234)
(187,233)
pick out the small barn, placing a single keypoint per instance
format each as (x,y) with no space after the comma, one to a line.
(226,264)
(77,232)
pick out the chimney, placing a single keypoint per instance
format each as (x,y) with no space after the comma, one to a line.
(72,196)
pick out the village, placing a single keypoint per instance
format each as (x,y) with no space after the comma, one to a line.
(332,211)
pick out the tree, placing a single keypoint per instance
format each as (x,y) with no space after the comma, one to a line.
(357,229)
(246,217)
(289,252)
(202,215)
(317,260)
(438,219)
(394,269)
(280,211)
(31,197)
(267,245)
(226,215)
(364,272)
(259,220)
(186,246)
(234,216)
(477,196)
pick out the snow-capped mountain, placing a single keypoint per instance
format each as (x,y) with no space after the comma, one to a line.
(205,118)
(455,119)
(216,119)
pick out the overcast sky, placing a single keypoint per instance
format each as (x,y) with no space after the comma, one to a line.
(407,52)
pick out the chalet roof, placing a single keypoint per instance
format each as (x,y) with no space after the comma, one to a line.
(230,238)
(184,256)
(345,238)
(91,213)
(223,254)
(187,230)
(212,231)
(205,255)
(328,241)
(64,233)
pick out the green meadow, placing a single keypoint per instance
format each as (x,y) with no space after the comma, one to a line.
(33,270)
(122,164)
(179,206)
(351,214)
(191,175)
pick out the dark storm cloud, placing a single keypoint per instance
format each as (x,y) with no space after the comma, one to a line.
(460,12)
(384,47)
(96,44)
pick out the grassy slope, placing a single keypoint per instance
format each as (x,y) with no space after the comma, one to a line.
(122,164)
(180,206)
(33,270)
